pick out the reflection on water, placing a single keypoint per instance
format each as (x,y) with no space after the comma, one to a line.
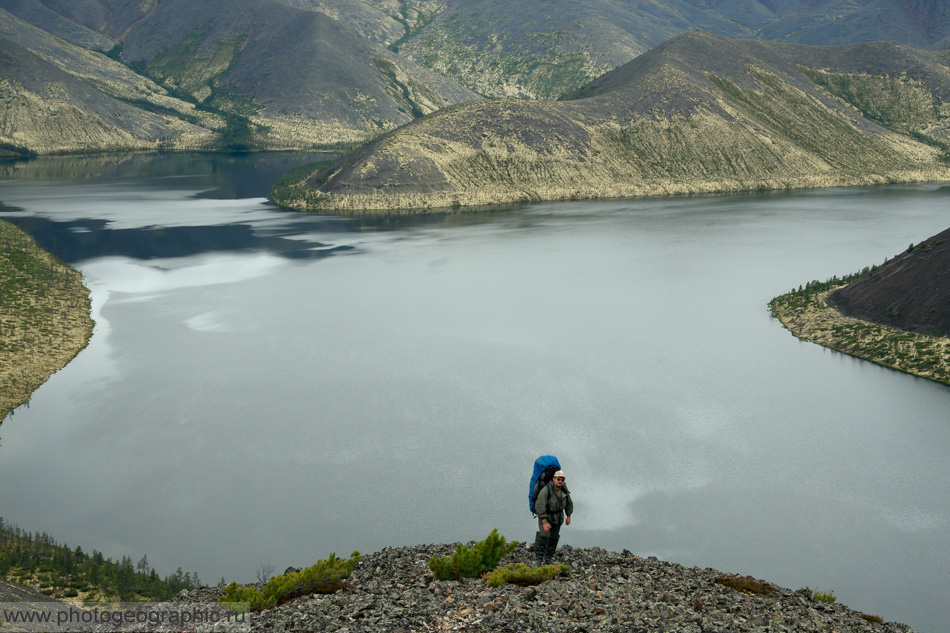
(231,176)
(247,398)
(81,240)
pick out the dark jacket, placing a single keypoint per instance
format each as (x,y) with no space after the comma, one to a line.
(551,507)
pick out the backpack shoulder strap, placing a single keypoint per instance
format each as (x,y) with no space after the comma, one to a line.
(547,502)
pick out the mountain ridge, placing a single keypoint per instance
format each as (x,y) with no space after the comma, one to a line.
(304,74)
(698,114)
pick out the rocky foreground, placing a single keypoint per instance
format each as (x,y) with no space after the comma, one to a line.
(393,590)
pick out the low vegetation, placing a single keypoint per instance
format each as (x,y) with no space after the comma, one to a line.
(32,559)
(822,596)
(471,561)
(35,560)
(326,576)
(44,316)
(521,574)
(746,584)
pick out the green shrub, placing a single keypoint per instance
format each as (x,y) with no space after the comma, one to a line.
(820,596)
(469,562)
(326,576)
(521,574)
(874,619)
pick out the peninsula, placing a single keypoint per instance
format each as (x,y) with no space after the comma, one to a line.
(896,315)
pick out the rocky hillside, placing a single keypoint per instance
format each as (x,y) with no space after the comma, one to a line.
(697,114)
(393,590)
(910,292)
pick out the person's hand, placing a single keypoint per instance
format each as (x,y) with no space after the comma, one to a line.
(568,521)
(546,526)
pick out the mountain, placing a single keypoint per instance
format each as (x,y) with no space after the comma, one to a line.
(910,292)
(698,114)
(298,74)
(543,48)
(266,74)
(917,23)
(58,97)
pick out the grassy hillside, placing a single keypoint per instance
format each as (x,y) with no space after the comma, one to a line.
(44,316)
(58,97)
(698,114)
(303,74)
(236,74)
(545,48)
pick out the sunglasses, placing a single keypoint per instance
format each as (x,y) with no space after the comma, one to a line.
(559,479)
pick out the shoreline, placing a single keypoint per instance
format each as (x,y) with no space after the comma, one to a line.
(809,318)
(45,317)
(298,197)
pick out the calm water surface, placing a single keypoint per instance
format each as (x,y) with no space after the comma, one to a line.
(265,387)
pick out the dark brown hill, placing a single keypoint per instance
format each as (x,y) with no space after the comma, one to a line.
(910,292)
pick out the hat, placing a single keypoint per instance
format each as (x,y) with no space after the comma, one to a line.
(560,473)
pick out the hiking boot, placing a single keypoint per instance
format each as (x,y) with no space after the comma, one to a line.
(550,549)
(541,543)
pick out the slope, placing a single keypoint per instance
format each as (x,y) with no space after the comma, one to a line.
(910,292)
(57,97)
(544,48)
(698,114)
(282,77)
(918,23)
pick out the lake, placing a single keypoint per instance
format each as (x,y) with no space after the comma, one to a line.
(265,387)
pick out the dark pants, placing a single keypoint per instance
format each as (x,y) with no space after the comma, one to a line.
(555,530)
(545,543)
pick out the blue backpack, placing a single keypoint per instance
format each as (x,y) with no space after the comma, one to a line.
(544,469)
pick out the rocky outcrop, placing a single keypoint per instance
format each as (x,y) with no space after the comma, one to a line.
(393,590)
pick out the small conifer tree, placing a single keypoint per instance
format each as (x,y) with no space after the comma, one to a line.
(469,562)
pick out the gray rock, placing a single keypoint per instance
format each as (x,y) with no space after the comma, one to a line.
(393,590)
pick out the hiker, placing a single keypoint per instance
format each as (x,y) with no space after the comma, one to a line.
(553,502)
